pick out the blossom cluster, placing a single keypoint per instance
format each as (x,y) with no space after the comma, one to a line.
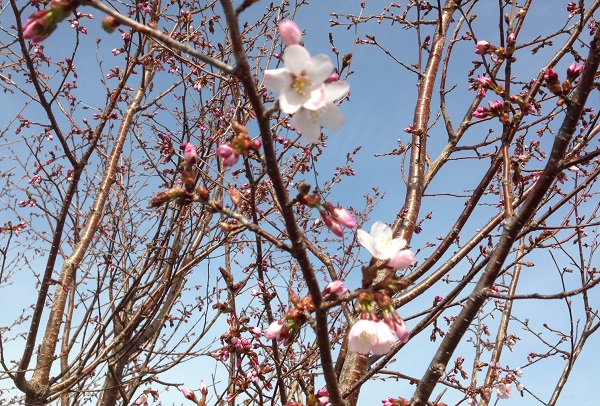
(241,144)
(307,86)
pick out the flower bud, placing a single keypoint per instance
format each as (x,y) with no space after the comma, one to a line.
(189,153)
(290,33)
(189,395)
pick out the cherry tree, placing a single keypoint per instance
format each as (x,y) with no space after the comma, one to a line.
(182,188)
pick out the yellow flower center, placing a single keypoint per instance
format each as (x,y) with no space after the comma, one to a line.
(300,84)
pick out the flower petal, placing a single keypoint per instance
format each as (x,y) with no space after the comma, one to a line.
(336,90)
(277,79)
(332,117)
(310,129)
(296,58)
(319,69)
(366,241)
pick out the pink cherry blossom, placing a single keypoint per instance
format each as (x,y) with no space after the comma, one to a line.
(300,75)
(290,32)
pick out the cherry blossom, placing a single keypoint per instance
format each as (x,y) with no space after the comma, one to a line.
(385,339)
(320,111)
(380,242)
(362,336)
(300,75)
(503,390)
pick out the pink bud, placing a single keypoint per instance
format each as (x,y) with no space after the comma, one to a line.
(274,330)
(189,154)
(290,33)
(403,259)
(483,47)
(343,217)
(189,395)
(203,388)
(336,288)
(333,225)
(224,150)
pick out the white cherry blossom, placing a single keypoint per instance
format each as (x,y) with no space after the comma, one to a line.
(380,242)
(300,75)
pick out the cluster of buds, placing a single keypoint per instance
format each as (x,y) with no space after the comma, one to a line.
(483,84)
(372,333)
(485,48)
(496,109)
(334,217)
(190,395)
(554,85)
(242,144)
(287,328)
(42,23)
(187,194)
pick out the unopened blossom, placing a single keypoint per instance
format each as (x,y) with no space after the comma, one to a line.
(573,71)
(274,330)
(362,336)
(380,242)
(166,196)
(300,75)
(230,157)
(397,326)
(323,397)
(321,111)
(333,225)
(343,217)
(42,23)
(142,400)
(189,395)
(403,259)
(552,82)
(334,290)
(290,32)
(503,390)
(484,47)
(203,388)
(110,24)
(189,153)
